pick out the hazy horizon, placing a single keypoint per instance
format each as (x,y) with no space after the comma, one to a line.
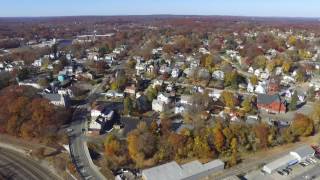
(246,8)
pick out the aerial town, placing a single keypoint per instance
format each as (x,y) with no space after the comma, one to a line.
(159,98)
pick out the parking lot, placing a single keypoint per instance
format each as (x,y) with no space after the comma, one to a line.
(296,172)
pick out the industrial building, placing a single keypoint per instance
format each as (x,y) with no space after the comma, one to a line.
(189,171)
(298,155)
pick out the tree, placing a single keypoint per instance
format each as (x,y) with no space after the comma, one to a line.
(300,76)
(201,147)
(302,125)
(315,115)
(151,93)
(260,62)
(111,145)
(270,66)
(141,144)
(286,66)
(294,101)
(102,51)
(230,79)
(254,80)
(234,145)
(218,139)
(261,132)
(43,82)
(247,105)
(23,74)
(229,99)
(127,105)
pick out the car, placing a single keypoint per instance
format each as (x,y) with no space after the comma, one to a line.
(280,172)
(309,161)
(285,172)
(289,169)
(303,164)
(313,159)
(69,130)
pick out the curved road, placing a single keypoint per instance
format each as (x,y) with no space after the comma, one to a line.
(16,166)
(78,146)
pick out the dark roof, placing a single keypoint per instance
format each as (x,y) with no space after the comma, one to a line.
(268,99)
(52,97)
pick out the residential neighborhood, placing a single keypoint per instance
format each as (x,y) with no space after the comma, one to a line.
(161,97)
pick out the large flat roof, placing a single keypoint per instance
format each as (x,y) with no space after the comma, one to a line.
(173,171)
(281,162)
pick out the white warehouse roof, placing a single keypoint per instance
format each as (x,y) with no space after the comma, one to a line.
(173,171)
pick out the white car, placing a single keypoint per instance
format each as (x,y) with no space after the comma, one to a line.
(69,130)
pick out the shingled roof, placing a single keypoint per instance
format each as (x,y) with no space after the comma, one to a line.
(268,99)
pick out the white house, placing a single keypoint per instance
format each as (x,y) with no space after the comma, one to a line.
(157,82)
(163,98)
(218,74)
(260,88)
(158,106)
(179,109)
(215,94)
(186,99)
(250,88)
(37,63)
(175,72)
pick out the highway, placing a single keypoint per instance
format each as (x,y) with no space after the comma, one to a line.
(16,166)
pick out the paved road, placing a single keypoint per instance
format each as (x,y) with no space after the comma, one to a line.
(77,141)
(15,166)
(313,173)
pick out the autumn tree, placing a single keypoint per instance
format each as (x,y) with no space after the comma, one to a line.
(141,144)
(302,125)
(127,105)
(229,99)
(261,132)
(294,102)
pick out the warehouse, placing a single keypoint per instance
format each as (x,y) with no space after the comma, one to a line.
(298,155)
(189,171)
(282,162)
(302,153)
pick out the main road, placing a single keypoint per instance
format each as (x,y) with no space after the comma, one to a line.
(77,142)
(16,166)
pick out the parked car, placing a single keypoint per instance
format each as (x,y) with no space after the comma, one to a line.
(280,172)
(285,172)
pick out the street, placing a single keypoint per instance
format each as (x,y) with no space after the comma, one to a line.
(77,142)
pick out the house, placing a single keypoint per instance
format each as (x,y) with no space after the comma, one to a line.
(260,88)
(157,82)
(37,63)
(271,103)
(186,100)
(250,88)
(218,75)
(273,86)
(179,109)
(30,82)
(102,111)
(130,90)
(57,99)
(164,97)
(158,106)
(215,94)
(188,171)
(113,94)
(140,68)
(175,72)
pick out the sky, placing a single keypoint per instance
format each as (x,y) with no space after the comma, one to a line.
(270,8)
